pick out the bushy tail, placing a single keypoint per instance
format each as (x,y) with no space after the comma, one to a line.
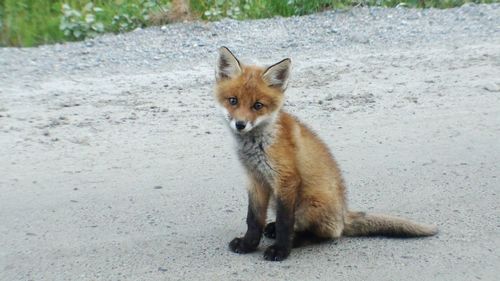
(362,224)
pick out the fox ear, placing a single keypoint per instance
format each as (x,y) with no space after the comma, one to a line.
(228,65)
(277,74)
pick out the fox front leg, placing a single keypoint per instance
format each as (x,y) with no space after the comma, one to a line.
(258,200)
(285,220)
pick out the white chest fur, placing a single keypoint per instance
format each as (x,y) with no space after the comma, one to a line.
(252,153)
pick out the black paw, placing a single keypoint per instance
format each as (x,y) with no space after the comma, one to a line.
(240,246)
(270,230)
(276,253)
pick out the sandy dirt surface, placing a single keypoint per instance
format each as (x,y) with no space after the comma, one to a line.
(115,164)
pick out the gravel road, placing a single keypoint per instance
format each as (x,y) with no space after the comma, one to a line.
(115,164)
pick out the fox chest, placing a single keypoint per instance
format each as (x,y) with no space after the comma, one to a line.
(252,154)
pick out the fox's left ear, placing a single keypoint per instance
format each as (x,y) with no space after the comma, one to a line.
(277,74)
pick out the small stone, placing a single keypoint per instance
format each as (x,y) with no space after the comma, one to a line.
(492,87)
(360,38)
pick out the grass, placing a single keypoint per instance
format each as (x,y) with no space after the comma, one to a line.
(34,22)
(252,9)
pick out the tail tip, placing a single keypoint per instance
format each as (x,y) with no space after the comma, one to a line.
(432,230)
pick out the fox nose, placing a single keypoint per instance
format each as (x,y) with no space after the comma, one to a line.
(240,125)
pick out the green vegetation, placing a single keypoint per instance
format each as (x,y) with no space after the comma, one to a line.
(34,22)
(251,9)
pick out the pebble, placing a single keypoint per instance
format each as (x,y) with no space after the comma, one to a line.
(492,87)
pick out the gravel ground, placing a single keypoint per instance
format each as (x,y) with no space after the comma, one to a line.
(116,165)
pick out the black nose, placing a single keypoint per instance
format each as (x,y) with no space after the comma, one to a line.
(240,125)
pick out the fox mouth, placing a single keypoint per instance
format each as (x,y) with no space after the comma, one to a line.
(245,127)
(240,127)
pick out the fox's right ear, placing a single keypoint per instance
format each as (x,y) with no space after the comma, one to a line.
(227,66)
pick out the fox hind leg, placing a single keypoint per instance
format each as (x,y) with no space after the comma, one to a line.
(300,238)
(270,230)
(323,218)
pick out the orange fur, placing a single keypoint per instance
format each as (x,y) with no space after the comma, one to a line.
(248,88)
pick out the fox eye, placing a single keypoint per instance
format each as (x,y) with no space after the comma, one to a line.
(258,106)
(233,101)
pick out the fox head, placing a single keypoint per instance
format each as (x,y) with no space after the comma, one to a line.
(250,96)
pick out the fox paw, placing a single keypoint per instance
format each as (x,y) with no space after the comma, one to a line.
(240,246)
(270,230)
(276,253)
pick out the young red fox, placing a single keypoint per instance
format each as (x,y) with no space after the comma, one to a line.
(288,164)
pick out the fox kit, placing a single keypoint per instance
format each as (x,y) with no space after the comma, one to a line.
(288,165)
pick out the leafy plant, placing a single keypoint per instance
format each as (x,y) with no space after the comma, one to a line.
(79,25)
(133,15)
